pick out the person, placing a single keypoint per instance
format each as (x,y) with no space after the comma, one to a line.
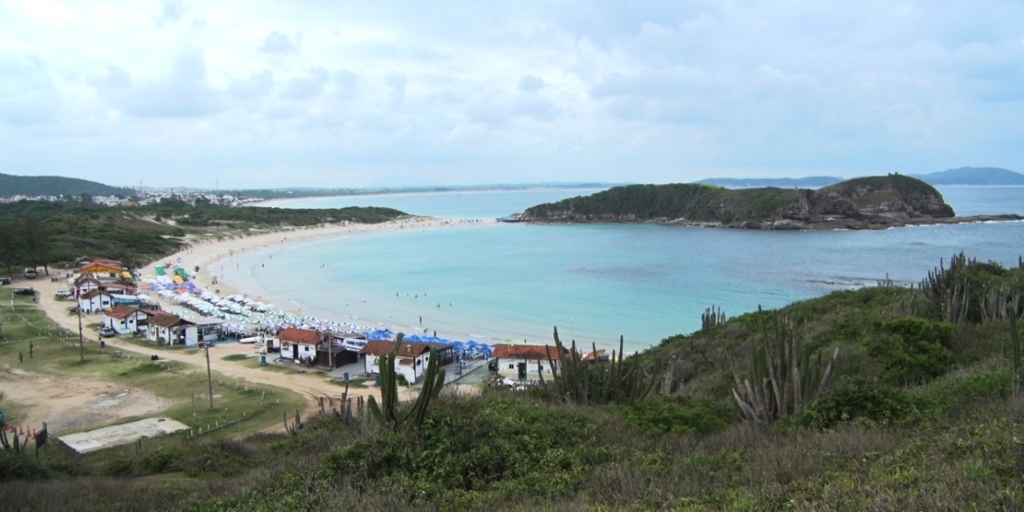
(31,348)
(21,358)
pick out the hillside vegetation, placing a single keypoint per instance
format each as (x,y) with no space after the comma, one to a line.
(33,186)
(44,233)
(871,202)
(884,398)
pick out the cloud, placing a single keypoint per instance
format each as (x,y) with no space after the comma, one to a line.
(258,84)
(307,87)
(183,92)
(347,84)
(278,43)
(530,84)
(28,94)
(173,10)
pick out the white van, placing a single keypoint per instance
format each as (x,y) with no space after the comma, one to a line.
(30,273)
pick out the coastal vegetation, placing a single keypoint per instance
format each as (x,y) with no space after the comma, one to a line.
(893,400)
(862,203)
(43,233)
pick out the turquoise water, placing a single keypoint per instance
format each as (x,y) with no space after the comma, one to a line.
(594,282)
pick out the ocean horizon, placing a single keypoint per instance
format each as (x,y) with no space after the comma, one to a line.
(594,282)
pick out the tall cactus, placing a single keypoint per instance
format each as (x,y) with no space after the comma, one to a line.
(948,289)
(711,318)
(387,412)
(599,382)
(785,379)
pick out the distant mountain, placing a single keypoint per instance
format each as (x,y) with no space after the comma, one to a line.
(808,182)
(974,176)
(55,186)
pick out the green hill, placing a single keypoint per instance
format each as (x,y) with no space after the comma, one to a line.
(871,202)
(33,186)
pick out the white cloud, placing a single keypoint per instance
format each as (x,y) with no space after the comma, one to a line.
(515,91)
(277,42)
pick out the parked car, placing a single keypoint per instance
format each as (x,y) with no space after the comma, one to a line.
(5,280)
(63,293)
(30,273)
(107,332)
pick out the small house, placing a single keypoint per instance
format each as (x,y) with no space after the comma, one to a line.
(171,329)
(410,361)
(94,301)
(125,319)
(104,270)
(525,362)
(298,344)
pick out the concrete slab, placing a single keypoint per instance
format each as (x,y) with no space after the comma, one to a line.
(84,442)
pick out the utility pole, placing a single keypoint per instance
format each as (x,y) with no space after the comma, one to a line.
(209,376)
(81,340)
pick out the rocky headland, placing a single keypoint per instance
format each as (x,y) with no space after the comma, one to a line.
(875,202)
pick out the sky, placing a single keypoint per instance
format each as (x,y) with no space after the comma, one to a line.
(337,94)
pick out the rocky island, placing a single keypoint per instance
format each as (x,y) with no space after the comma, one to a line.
(875,202)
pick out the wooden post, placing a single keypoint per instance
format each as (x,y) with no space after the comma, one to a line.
(209,376)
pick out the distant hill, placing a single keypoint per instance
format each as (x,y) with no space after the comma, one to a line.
(872,202)
(974,176)
(808,182)
(56,186)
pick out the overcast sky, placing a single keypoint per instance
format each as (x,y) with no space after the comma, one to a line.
(379,93)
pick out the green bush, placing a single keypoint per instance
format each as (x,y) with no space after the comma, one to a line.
(675,415)
(912,350)
(21,466)
(865,401)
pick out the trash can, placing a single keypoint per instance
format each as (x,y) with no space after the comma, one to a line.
(377,381)
(154,357)
(345,376)
(263,360)
(103,343)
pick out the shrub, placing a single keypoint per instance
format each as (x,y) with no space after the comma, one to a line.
(912,350)
(674,415)
(864,401)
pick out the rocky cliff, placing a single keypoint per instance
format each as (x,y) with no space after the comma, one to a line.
(862,203)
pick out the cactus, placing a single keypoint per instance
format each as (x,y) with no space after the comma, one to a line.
(1015,341)
(387,412)
(785,380)
(947,289)
(598,382)
(296,425)
(711,318)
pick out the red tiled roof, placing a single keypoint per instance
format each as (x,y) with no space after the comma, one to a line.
(304,336)
(92,293)
(104,265)
(408,348)
(530,352)
(167,320)
(593,355)
(405,362)
(86,278)
(121,312)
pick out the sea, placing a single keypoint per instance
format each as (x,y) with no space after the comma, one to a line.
(518,282)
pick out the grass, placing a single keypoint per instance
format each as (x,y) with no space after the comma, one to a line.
(286,368)
(185,386)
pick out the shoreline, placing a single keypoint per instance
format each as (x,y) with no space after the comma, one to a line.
(212,255)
